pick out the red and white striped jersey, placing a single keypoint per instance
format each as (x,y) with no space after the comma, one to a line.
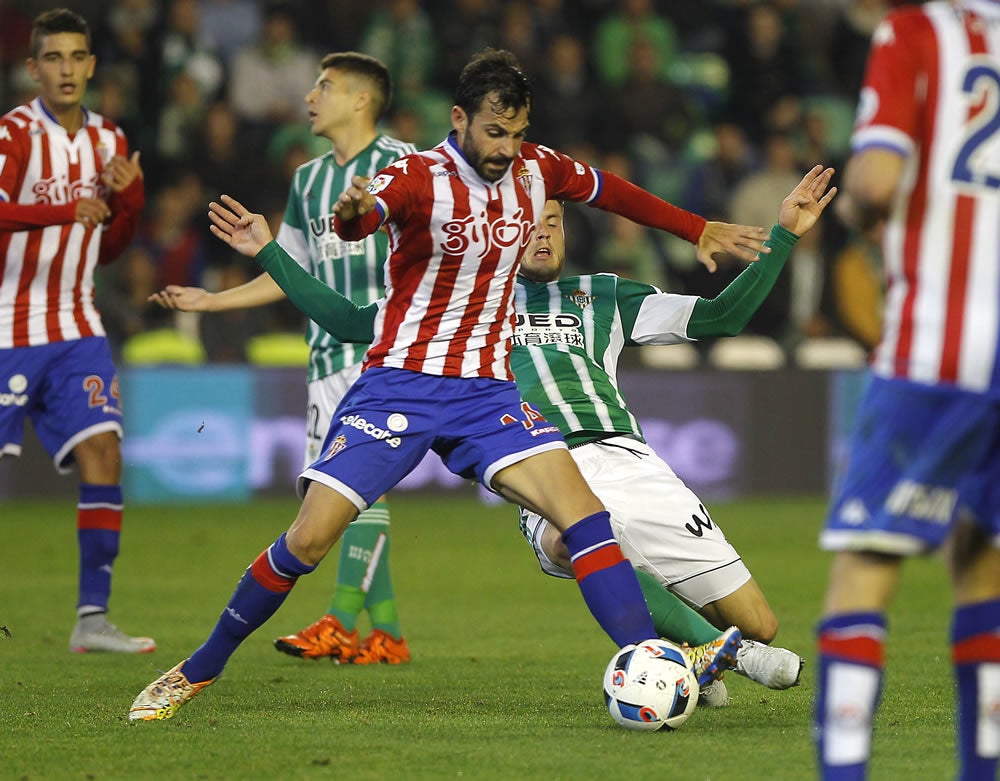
(932,92)
(455,242)
(47,274)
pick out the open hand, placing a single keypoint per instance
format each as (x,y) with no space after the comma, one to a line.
(803,205)
(186,299)
(743,241)
(243,230)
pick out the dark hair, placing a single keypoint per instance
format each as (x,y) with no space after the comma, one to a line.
(368,68)
(493,72)
(58,20)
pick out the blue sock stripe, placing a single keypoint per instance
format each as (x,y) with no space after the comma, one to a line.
(286,563)
(592,548)
(975,619)
(590,532)
(853,620)
(100,494)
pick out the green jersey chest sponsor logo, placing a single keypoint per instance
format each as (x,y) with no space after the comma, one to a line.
(327,244)
(534,328)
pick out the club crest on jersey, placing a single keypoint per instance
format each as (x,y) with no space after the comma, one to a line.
(379,183)
(581,299)
(525,177)
(338,444)
(104,152)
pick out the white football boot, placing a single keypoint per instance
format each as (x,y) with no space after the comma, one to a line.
(775,668)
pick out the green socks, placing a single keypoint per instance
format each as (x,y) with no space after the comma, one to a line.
(672,617)
(363,578)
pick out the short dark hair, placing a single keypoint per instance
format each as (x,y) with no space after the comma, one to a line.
(58,20)
(493,72)
(366,67)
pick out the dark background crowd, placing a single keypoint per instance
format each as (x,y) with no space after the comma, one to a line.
(718,106)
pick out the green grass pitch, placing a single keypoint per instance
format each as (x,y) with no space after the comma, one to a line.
(506,671)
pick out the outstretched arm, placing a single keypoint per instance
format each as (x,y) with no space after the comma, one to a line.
(257,292)
(248,234)
(622,197)
(338,316)
(728,313)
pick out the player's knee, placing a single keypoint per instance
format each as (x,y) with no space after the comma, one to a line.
(99,459)
(554,547)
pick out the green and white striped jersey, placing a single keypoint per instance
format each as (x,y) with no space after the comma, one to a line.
(567,340)
(352,268)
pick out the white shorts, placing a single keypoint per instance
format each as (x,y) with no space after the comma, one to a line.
(323,397)
(660,524)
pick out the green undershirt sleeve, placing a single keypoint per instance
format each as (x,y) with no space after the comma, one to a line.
(728,313)
(338,316)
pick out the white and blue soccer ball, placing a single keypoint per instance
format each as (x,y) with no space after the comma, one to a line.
(650,686)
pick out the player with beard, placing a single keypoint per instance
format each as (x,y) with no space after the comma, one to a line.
(437,376)
(568,332)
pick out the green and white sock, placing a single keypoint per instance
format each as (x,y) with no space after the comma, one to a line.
(381,601)
(361,554)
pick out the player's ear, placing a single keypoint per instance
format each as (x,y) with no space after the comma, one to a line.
(362,100)
(459,119)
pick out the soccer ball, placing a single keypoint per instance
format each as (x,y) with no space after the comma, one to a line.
(650,686)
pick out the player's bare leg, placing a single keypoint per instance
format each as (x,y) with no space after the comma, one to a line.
(861,582)
(551,485)
(747,608)
(321,521)
(974,563)
(99,459)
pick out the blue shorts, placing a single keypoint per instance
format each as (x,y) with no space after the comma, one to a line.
(68,389)
(919,455)
(390,418)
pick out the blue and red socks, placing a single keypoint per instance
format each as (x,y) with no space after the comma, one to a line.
(260,592)
(851,662)
(607,580)
(975,641)
(98,529)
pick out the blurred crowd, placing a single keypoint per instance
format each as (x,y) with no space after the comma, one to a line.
(718,106)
